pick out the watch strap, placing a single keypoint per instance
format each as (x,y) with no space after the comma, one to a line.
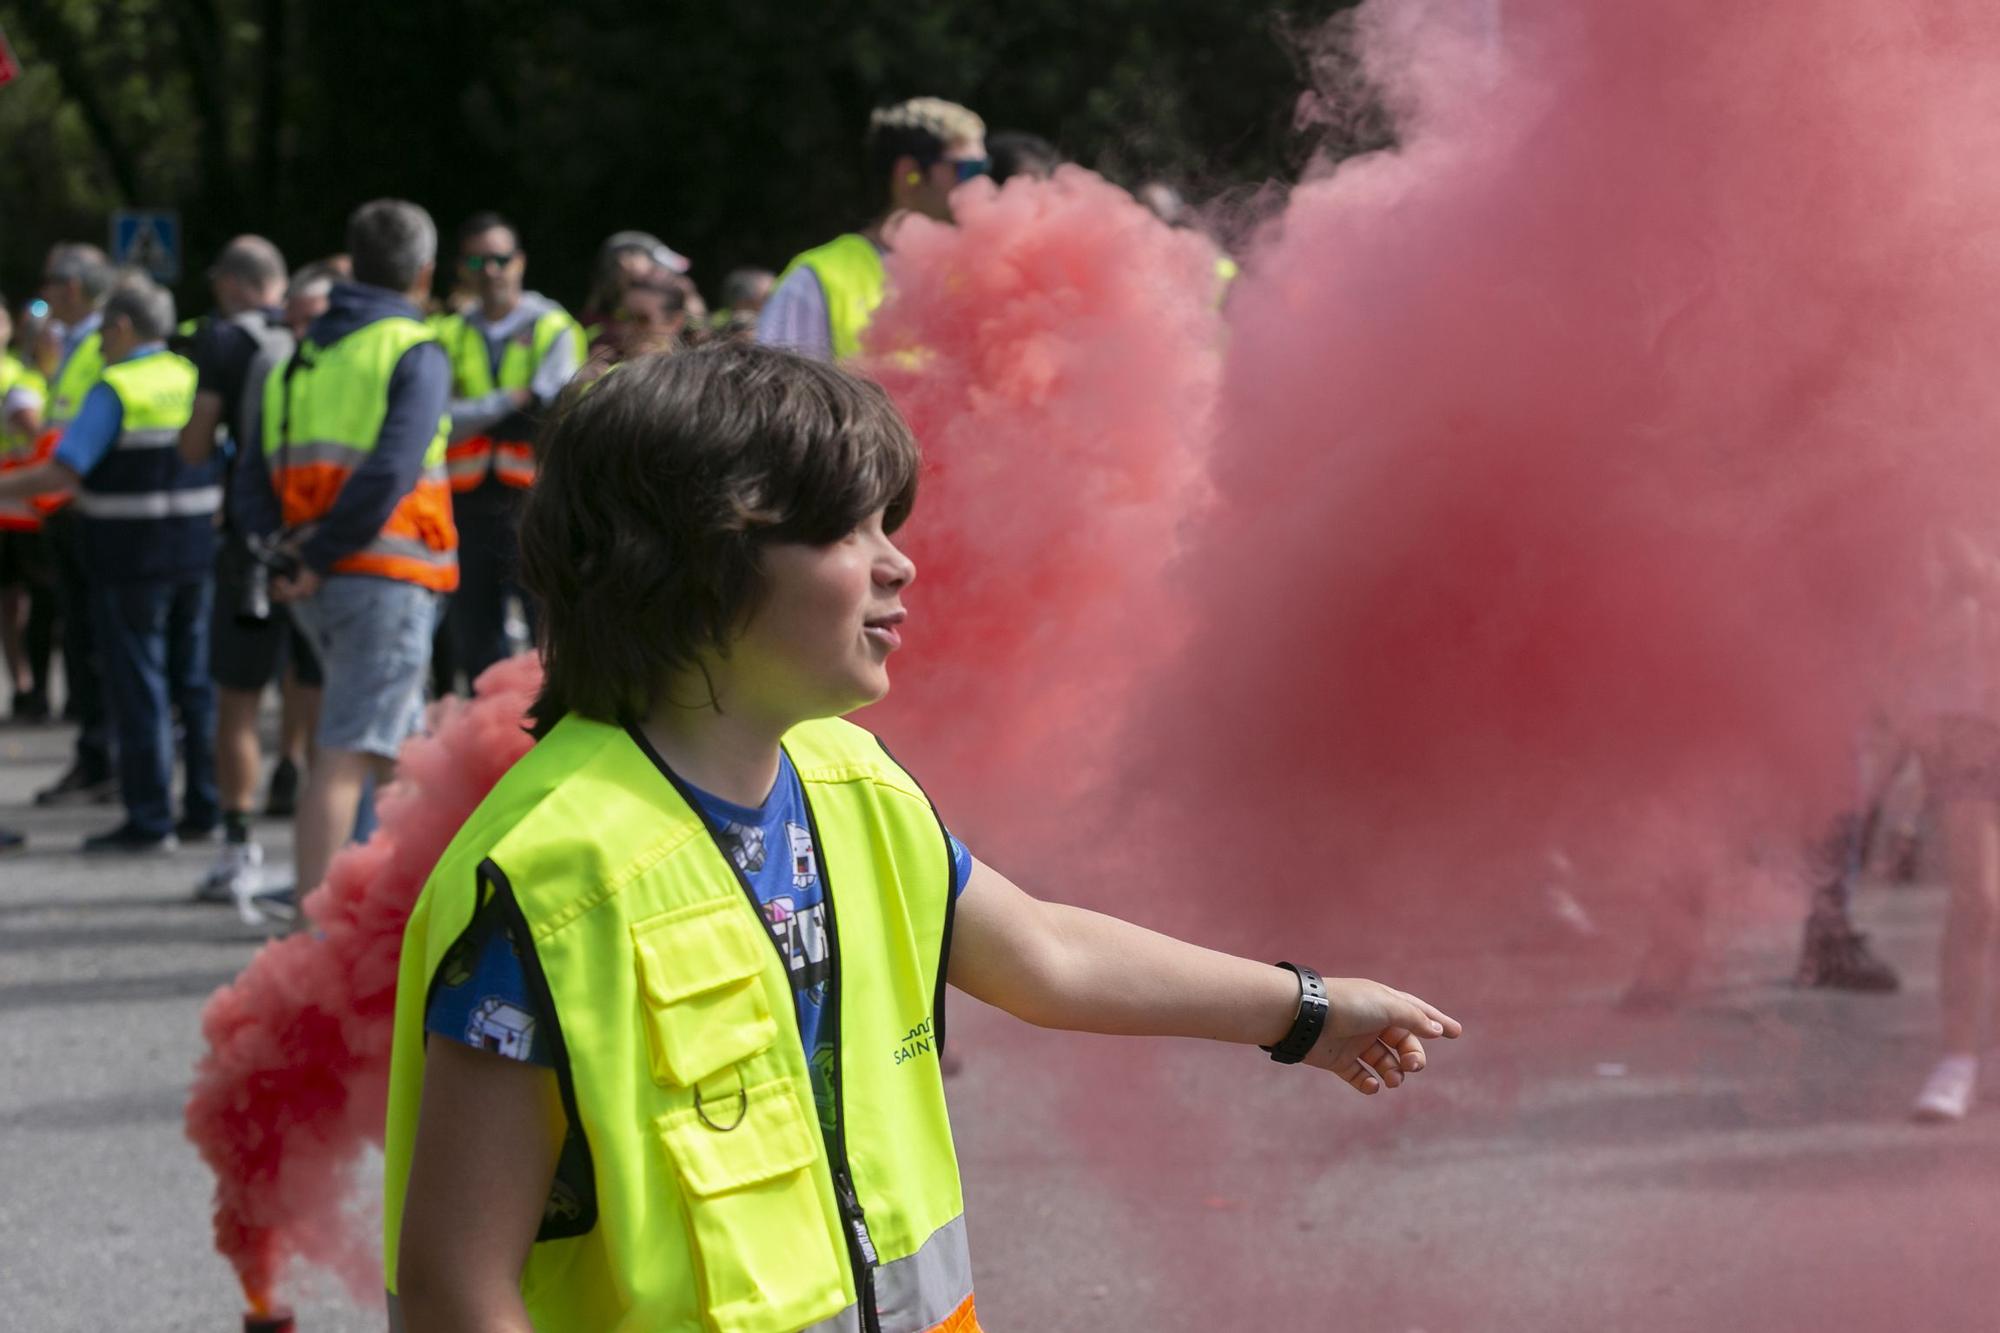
(1311,1020)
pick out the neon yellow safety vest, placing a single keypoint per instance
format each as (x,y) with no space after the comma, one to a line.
(15,374)
(141,478)
(155,397)
(717,1200)
(322,415)
(852,279)
(77,375)
(508,450)
(17,447)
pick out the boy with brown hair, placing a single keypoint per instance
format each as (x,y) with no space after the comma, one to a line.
(670,1006)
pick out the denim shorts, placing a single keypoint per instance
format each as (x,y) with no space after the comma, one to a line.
(373,638)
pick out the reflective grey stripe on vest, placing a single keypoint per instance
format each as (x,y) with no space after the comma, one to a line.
(470,464)
(406,548)
(847,1321)
(921,1291)
(918,1292)
(152,504)
(148,439)
(304,453)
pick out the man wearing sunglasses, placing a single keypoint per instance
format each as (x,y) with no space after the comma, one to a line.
(919,151)
(511,351)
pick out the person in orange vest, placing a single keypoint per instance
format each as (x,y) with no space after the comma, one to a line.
(919,151)
(23,557)
(76,280)
(512,351)
(27,582)
(347,498)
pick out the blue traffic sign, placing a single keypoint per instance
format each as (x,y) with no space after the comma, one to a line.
(149,239)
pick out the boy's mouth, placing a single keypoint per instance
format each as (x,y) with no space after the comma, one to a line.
(886,629)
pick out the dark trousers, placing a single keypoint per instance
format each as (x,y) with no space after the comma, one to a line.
(39,637)
(81,666)
(1834,860)
(489,571)
(154,637)
(25,564)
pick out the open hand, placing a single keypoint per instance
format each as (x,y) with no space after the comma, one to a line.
(1374,1033)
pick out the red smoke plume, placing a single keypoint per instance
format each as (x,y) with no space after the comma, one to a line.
(1056,352)
(1582,460)
(1588,472)
(1578,478)
(295,1081)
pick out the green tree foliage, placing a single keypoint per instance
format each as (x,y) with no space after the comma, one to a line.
(729,127)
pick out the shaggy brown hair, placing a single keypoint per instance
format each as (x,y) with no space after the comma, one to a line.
(658,486)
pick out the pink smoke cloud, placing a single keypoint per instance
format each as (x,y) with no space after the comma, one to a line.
(294,1084)
(1579,463)
(1057,352)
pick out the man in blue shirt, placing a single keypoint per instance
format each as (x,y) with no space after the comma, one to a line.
(148,523)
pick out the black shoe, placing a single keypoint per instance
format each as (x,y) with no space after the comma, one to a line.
(10,841)
(129,840)
(77,787)
(276,904)
(282,801)
(1837,957)
(190,831)
(31,709)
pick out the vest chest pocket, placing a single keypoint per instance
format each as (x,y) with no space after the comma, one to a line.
(701,990)
(766,1247)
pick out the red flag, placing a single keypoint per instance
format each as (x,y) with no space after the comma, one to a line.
(10,68)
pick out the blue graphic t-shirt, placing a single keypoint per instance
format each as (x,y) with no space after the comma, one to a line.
(482,997)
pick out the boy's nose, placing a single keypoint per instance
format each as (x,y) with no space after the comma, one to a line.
(898,572)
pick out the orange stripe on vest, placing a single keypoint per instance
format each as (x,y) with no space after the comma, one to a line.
(962,1320)
(45,449)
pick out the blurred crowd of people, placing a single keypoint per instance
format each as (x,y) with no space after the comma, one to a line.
(313,488)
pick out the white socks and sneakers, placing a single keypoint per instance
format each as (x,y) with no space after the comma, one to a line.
(237,877)
(238,873)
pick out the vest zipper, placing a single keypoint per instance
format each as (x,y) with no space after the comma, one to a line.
(861,1254)
(860,1246)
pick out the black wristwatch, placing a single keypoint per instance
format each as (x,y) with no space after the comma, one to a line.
(1310,1022)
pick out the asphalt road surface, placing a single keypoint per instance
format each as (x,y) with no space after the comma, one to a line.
(1741,1164)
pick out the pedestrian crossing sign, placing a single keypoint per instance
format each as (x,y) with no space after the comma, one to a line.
(149,239)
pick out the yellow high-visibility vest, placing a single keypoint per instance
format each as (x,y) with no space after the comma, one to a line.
(322,415)
(507,454)
(717,1202)
(17,447)
(75,377)
(852,279)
